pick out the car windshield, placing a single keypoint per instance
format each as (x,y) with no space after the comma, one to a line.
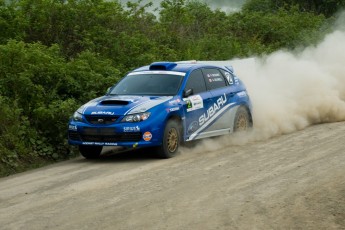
(148,84)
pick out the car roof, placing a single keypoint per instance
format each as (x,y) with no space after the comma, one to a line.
(182,66)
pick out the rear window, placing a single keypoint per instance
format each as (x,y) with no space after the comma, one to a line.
(214,79)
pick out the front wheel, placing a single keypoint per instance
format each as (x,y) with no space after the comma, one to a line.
(171,140)
(90,151)
(242,120)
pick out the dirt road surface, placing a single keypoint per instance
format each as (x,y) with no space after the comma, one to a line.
(294,181)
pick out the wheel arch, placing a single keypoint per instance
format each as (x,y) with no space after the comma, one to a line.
(178,119)
(249,113)
(248,110)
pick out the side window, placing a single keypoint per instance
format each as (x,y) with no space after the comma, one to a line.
(214,79)
(228,76)
(196,82)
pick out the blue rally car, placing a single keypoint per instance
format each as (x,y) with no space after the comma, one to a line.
(161,106)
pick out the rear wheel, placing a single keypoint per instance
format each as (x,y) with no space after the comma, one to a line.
(171,140)
(90,151)
(242,120)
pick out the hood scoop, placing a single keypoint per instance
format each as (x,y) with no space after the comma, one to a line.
(114,102)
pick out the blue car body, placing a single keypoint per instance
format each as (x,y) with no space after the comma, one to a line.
(138,119)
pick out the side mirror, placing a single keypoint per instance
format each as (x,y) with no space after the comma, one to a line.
(187,93)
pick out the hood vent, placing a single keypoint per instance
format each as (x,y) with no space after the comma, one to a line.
(114,102)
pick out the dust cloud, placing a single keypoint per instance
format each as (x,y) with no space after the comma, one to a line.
(291,91)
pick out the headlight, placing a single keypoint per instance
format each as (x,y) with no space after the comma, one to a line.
(136,117)
(77,116)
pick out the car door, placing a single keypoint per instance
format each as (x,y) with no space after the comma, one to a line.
(218,116)
(195,103)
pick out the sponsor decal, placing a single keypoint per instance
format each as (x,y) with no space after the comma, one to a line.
(194,102)
(102,113)
(174,109)
(143,107)
(72,127)
(210,119)
(242,94)
(131,129)
(213,75)
(110,144)
(88,143)
(100,143)
(217,79)
(192,127)
(189,105)
(174,102)
(147,136)
(212,110)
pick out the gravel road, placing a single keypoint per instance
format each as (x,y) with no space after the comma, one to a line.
(293,181)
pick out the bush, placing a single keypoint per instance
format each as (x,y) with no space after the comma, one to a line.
(40,91)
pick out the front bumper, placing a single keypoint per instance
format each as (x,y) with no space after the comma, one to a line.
(132,135)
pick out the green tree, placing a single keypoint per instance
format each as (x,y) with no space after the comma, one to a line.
(325,7)
(272,31)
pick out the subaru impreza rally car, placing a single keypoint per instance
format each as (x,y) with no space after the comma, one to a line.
(161,106)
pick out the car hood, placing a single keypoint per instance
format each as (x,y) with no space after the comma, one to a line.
(122,105)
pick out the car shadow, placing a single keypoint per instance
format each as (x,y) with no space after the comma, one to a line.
(117,154)
(123,155)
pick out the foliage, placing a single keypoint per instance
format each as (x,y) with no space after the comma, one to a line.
(325,7)
(55,55)
(272,31)
(39,91)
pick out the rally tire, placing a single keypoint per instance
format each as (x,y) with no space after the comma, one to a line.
(243,121)
(171,140)
(90,151)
